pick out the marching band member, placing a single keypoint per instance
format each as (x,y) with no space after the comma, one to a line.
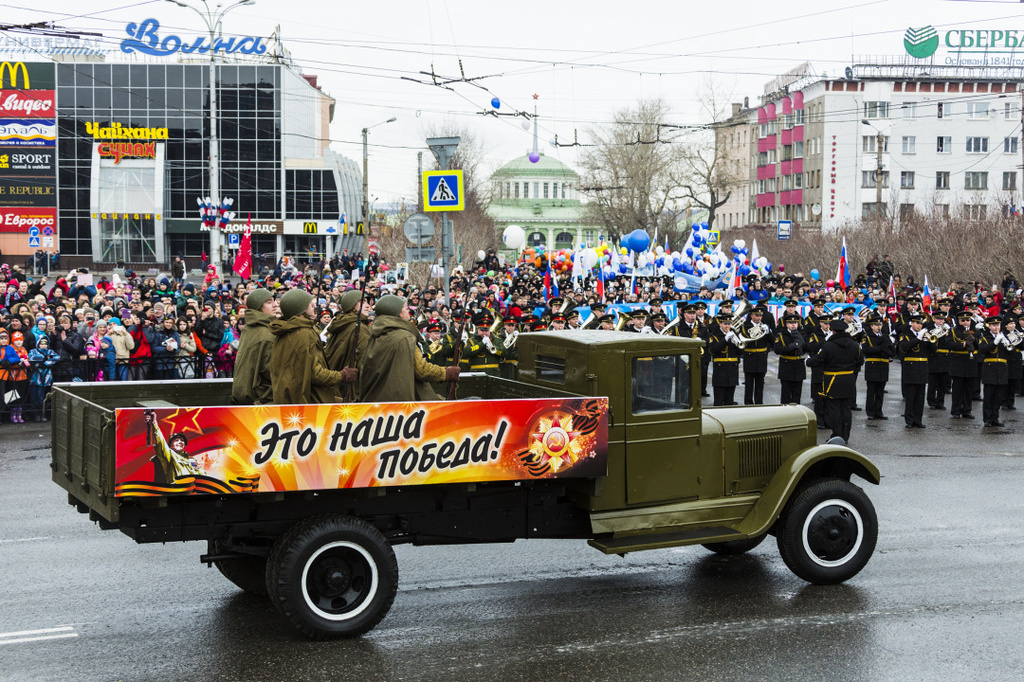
(914,350)
(1014,364)
(994,350)
(481,350)
(938,363)
(725,352)
(790,346)
(839,357)
(878,350)
(755,356)
(816,337)
(509,365)
(960,343)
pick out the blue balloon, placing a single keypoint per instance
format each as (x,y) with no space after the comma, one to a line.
(815,274)
(744,270)
(660,262)
(639,240)
(704,226)
(695,227)
(625,241)
(687,268)
(734,249)
(496,103)
(622,268)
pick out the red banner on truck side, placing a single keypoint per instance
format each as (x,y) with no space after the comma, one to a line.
(271,448)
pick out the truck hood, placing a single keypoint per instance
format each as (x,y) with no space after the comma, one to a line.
(761,419)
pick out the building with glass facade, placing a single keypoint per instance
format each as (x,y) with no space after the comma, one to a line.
(133,146)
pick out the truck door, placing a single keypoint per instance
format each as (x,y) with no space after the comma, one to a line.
(663,425)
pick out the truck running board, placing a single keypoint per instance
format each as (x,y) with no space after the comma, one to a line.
(633,543)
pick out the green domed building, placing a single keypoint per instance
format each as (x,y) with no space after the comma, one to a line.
(542,198)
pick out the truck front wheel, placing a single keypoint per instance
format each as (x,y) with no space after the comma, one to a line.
(332,576)
(828,532)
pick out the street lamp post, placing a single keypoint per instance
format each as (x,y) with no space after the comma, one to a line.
(366,187)
(213,18)
(879,142)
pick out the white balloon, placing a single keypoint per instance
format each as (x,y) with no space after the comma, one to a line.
(480,255)
(742,243)
(589,258)
(514,237)
(660,250)
(738,243)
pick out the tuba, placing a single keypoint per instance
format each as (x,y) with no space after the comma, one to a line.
(741,311)
(621,321)
(498,323)
(670,325)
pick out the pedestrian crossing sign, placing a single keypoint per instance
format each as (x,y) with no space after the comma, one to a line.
(442,191)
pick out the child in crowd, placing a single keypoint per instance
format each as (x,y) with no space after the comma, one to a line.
(42,359)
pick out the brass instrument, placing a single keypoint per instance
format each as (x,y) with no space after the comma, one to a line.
(511,339)
(937,333)
(498,323)
(1014,339)
(435,347)
(741,311)
(622,321)
(590,322)
(671,324)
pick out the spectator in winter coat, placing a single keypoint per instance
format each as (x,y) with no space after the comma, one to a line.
(124,344)
(141,354)
(164,344)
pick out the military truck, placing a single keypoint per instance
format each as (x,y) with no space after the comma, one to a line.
(602,438)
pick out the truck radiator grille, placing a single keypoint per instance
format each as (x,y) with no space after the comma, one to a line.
(759,456)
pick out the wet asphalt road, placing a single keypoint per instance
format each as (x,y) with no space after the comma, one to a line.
(942,598)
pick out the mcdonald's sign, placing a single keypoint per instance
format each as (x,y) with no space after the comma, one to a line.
(24,76)
(360,228)
(9,76)
(308,228)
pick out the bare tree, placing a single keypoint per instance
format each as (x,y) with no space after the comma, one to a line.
(630,174)
(706,178)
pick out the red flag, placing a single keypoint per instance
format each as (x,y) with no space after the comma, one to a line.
(243,261)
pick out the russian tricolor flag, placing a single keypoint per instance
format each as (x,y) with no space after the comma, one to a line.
(843,274)
(926,297)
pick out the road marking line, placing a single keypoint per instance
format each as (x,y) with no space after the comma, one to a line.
(41,537)
(37,639)
(48,631)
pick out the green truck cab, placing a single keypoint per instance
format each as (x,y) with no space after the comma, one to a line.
(602,438)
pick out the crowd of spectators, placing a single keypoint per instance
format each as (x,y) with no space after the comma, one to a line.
(178,326)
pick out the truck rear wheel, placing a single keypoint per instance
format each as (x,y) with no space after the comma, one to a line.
(248,573)
(735,546)
(828,532)
(333,576)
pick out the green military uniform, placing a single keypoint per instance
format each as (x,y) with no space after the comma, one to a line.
(298,368)
(394,370)
(251,383)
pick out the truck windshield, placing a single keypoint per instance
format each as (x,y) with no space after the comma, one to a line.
(661,383)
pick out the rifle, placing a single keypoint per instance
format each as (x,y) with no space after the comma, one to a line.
(353,352)
(457,355)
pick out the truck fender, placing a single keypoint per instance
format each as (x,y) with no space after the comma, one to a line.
(820,461)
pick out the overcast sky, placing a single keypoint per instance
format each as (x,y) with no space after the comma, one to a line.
(584,60)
